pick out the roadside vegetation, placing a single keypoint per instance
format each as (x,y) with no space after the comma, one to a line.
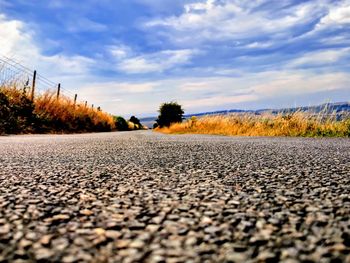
(295,124)
(169,113)
(135,124)
(132,124)
(47,114)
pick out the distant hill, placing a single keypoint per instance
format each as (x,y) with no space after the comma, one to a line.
(340,108)
(327,108)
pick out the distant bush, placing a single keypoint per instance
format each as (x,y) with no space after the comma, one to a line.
(123,125)
(136,122)
(169,113)
(132,126)
(120,123)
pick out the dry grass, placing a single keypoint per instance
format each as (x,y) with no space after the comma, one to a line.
(296,124)
(59,115)
(65,110)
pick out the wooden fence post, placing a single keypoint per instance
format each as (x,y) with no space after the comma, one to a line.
(92,106)
(85,104)
(33,86)
(75,99)
(58,90)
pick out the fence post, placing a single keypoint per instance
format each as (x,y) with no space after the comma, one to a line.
(58,90)
(85,104)
(75,99)
(92,106)
(33,86)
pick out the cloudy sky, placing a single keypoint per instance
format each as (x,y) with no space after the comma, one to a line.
(128,56)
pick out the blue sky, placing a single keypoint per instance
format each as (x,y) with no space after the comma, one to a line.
(128,56)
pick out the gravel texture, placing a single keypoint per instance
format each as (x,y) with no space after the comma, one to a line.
(147,197)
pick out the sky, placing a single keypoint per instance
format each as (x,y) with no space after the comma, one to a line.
(129,56)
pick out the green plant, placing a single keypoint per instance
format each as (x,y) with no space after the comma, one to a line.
(16,112)
(136,121)
(5,114)
(169,113)
(120,123)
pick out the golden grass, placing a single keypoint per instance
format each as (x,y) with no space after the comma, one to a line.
(65,110)
(72,117)
(296,124)
(13,93)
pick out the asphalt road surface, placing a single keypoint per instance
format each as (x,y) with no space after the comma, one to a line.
(147,197)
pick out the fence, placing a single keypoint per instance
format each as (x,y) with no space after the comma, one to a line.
(15,74)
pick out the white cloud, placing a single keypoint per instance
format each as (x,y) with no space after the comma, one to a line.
(338,14)
(118,88)
(336,40)
(218,101)
(120,98)
(72,65)
(156,62)
(323,57)
(199,6)
(130,62)
(195,86)
(235,20)
(224,85)
(256,45)
(209,93)
(13,37)
(17,42)
(260,87)
(286,83)
(139,65)
(120,51)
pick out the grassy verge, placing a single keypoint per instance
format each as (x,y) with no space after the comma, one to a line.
(296,124)
(18,114)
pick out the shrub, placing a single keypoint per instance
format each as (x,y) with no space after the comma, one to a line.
(136,121)
(131,125)
(5,114)
(16,112)
(169,113)
(120,123)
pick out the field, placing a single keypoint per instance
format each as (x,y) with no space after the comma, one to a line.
(295,124)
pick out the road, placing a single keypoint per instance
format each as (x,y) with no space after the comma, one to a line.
(147,197)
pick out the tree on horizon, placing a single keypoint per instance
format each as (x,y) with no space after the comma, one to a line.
(169,113)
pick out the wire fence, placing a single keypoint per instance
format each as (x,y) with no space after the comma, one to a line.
(13,73)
